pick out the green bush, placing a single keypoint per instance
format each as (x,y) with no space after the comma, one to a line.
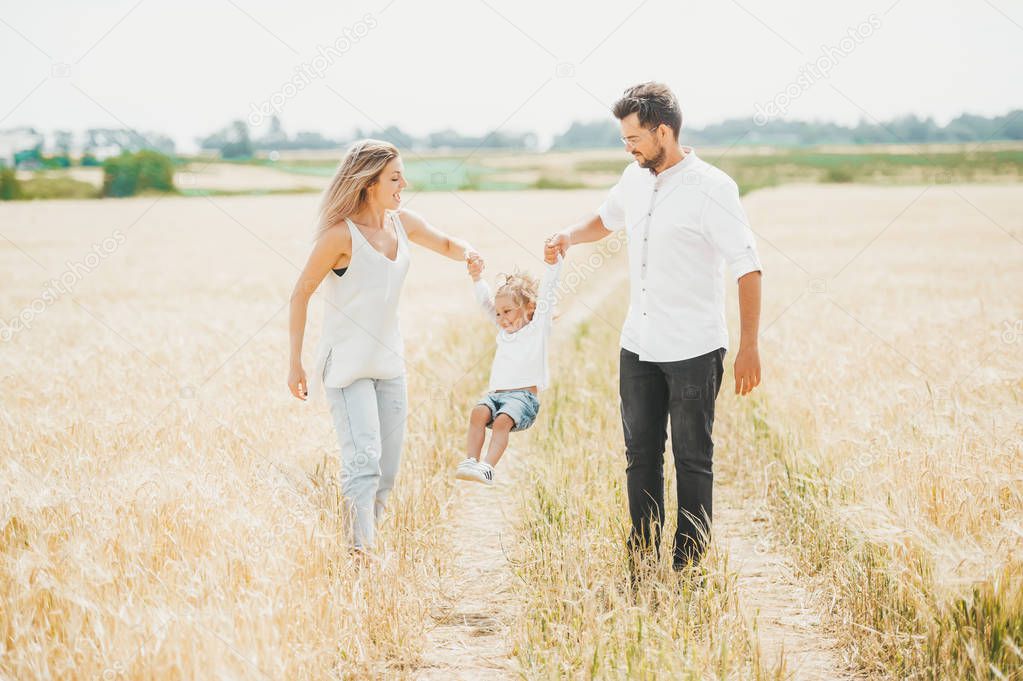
(59,187)
(55,162)
(30,157)
(838,175)
(10,188)
(133,173)
(547,182)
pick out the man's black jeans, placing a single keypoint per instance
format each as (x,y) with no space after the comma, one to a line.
(650,392)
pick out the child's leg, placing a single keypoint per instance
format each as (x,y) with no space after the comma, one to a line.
(499,438)
(478,419)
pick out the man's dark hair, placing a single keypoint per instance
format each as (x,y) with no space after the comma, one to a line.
(654,103)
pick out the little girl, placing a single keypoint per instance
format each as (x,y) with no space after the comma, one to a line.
(519,371)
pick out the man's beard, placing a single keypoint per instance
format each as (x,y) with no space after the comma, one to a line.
(651,163)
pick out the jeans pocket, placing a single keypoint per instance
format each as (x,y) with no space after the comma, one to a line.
(719,369)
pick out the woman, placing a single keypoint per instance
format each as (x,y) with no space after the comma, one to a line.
(362,249)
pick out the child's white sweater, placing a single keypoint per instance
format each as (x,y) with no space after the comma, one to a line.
(521,357)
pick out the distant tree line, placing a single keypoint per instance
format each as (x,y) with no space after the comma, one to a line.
(27,148)
(236,142)
(127,174)
(907,129)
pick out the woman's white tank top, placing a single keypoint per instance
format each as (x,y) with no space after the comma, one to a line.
(361,337)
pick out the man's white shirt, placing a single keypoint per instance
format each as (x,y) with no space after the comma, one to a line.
(682,227)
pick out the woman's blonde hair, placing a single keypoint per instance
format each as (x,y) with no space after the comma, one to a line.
(358,171)
(522,287)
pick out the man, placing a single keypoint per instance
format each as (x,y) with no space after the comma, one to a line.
(683,222)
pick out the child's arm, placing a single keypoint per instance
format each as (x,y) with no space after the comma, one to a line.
(481,290)
(547,295)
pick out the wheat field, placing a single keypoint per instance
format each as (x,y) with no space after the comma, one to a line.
(170,512)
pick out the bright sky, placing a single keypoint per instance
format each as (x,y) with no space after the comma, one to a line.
(187,67)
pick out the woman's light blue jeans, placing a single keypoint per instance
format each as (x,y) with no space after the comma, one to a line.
(369,417)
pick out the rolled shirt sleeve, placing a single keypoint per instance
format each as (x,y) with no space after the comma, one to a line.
(612,211)
(727,228)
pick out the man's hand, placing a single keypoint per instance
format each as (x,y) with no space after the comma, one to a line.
(560,242)
(474,264)
(747,370)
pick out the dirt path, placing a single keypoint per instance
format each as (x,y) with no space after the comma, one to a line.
(787,620)
(470,640)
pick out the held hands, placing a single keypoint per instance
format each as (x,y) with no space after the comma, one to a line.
(474,264)
(555,245)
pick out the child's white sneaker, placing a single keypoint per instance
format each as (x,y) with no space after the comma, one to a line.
(466,468)
(475,471)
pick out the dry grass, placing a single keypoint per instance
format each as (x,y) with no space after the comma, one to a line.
(169,512)
(889,423)
(582,617)
(197,546)
(168,509)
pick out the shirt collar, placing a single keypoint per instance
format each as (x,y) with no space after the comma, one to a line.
(680,167)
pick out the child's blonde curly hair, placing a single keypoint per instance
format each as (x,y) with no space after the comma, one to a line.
(522,287)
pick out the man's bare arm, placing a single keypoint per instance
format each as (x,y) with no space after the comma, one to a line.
(583,232)
(747,360)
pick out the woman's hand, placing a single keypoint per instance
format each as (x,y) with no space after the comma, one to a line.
(474,263)
(297,382)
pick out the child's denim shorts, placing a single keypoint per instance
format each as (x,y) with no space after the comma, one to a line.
(521,405)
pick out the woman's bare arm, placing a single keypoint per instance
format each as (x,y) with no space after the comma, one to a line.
(334,242)
(426,235)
